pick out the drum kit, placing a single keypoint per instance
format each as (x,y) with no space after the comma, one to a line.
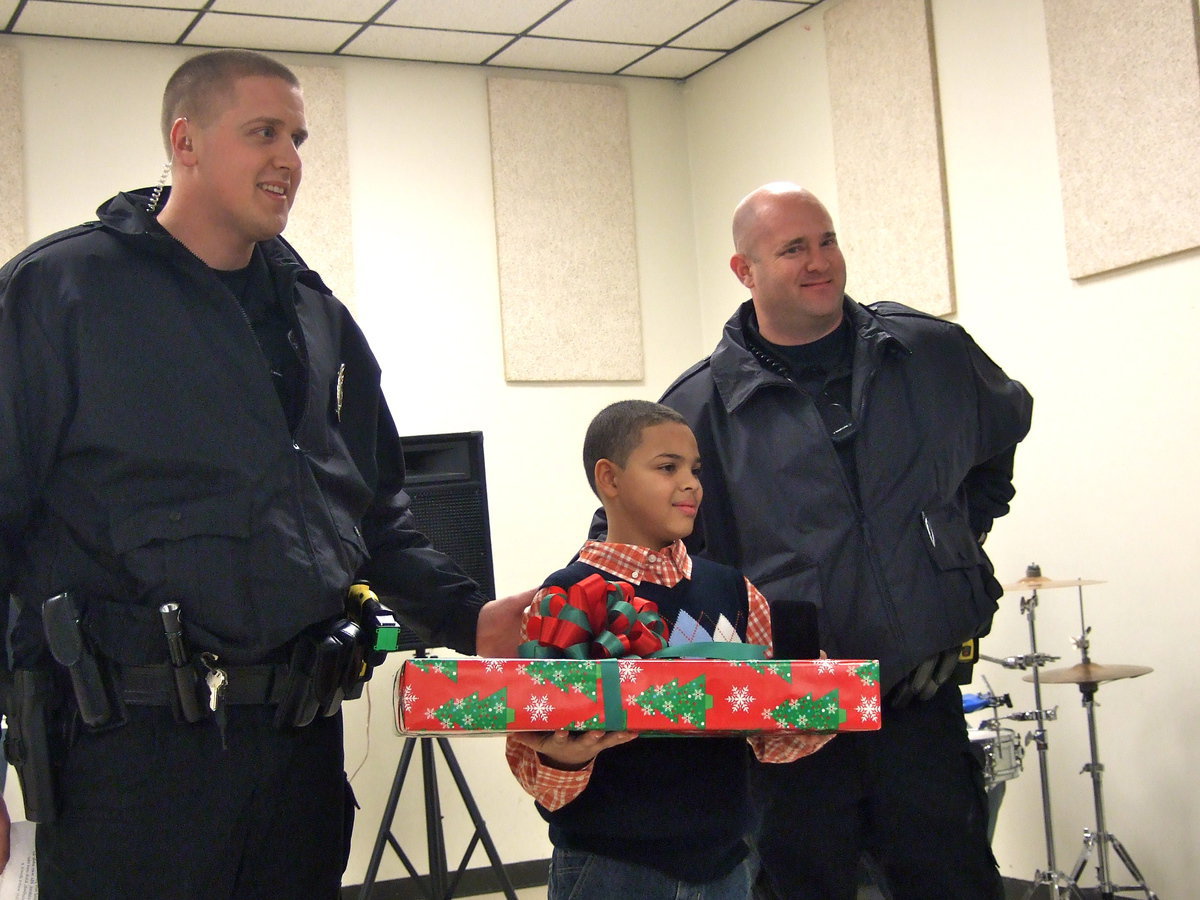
(1003,753)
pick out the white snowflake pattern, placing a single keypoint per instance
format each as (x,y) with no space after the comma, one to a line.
(410,699)
(493,665)
(826,666)
(868,709)
(629,670)
(539,709)
(741,699)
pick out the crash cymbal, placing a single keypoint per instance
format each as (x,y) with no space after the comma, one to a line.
(1088,673)
(1039,583)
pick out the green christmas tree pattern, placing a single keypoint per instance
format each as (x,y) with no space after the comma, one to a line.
(685,703)
(595,723)
(768,667)
(477,713)
(822,714)
(868,672)
(447,667)
(580,676)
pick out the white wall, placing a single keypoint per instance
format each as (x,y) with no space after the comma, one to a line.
(1105,489)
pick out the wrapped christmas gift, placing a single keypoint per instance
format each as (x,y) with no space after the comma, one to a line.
(633,694)
(601,658)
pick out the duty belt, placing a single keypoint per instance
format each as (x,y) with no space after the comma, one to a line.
(249,685)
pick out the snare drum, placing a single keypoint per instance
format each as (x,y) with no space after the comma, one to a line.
(1002,754)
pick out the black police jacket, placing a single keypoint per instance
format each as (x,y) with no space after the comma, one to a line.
(894,567)
(147,458)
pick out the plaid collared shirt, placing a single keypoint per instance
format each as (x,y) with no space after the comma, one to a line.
(554,788)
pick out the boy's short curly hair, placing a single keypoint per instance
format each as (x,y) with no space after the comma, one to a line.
(617,430)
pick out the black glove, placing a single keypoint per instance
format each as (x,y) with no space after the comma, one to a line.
(925,680)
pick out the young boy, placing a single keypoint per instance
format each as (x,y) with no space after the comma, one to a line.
(658,817)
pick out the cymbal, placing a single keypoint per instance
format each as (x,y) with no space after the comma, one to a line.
(1039,582)
(1088,673)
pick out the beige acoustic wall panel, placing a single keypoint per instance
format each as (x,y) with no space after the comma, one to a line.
(1126,85)
(565,231)
(12,152)
(892,218)
(319,224)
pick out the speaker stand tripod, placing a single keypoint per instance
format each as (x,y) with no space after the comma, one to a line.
(441,887)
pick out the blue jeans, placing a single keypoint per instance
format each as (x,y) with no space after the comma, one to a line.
(579,875)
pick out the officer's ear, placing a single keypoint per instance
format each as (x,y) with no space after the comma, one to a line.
(181,141)
(740,264)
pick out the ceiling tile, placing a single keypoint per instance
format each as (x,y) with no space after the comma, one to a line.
(635,21)
(672,63)
(6,10)
(269,33)
(333,10)
(504,16)
(423,43)
(568,56)
(162,4)
(114,23)
(737,23)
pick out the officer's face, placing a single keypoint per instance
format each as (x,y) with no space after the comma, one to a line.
(247,160)
(794,269)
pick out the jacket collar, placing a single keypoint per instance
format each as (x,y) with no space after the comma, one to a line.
(738,371)
(127,215)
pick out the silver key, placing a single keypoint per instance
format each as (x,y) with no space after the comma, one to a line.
(216,679)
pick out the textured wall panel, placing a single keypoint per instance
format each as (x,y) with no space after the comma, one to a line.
(892,218)
(12,155)
(319,224)
(1127,112)
(563,186)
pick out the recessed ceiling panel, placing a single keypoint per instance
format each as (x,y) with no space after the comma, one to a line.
(507,16)
(269,33)
(568,56)
(113,23)
(420,43)
(736,24)
(333,10)
(636,21)
(672,63)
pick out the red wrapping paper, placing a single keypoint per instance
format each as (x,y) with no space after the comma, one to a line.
(674,696)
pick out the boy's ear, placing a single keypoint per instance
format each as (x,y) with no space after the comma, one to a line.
(606,474)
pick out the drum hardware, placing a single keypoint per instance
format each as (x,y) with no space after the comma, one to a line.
(1059,882)
(1028,661)
(1047,715)
(1088,676)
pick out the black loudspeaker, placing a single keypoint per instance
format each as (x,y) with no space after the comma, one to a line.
(444,476)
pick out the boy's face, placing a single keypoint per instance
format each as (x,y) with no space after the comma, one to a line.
(657,493)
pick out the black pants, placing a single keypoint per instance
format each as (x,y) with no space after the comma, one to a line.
(910,794)
(159,809)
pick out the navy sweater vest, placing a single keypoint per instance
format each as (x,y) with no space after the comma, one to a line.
(680,805)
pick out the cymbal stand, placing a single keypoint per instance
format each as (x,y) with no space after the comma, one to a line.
(1060,884)
(1101,838)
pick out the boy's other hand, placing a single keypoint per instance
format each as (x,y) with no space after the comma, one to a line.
(571,749)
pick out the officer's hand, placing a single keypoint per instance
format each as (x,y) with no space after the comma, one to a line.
(5,828)
(498,631)
(571,749)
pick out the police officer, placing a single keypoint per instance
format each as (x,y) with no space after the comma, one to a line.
(188,415)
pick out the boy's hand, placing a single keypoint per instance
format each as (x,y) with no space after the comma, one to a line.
(571,749)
